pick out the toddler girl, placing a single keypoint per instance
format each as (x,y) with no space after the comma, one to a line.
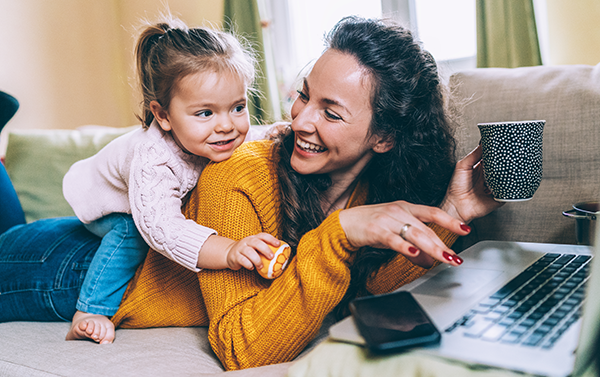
(194,83)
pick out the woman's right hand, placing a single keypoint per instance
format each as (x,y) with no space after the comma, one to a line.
(381,225)
(468,197)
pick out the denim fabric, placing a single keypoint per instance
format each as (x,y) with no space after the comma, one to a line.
(11,213)
(8,107)
(122,250)
(42,267)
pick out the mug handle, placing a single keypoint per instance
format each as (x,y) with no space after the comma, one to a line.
(571,214)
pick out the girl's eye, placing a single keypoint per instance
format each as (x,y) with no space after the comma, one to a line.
(239,108)
(332,116)
(204,113)
(303,97)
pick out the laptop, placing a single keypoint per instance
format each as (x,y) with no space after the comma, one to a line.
(527,307)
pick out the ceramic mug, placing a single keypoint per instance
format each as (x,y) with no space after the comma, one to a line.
(586,214)
(512,158)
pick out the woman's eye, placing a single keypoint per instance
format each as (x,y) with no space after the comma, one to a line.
(332,116)
(204,113)
(303,97)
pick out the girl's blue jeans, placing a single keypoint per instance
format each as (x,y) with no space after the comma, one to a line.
(122,250)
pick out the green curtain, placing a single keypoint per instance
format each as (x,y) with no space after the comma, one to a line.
(506,34)
(242,16)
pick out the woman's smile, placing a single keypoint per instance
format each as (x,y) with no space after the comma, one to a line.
(309,147)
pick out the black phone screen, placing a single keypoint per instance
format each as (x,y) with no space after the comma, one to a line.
(393,322)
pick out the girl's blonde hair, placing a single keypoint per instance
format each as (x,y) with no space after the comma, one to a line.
(168,51)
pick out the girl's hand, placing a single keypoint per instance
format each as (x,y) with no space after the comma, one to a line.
(399,226)
(468,197)
(245,252)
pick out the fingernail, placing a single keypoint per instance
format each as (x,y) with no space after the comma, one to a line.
(465,227)
(458,259)
(448,256)
(413,250)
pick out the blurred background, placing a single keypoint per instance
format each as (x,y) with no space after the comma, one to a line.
(69,62)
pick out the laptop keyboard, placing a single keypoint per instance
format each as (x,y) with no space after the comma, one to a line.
(536,307)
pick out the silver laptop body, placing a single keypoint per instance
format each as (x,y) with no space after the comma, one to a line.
(448,294)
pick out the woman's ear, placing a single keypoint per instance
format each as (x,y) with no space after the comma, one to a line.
(161,115)
(383,145)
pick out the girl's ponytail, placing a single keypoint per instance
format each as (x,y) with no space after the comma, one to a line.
(145,69)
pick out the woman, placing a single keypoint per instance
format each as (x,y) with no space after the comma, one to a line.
(369,137)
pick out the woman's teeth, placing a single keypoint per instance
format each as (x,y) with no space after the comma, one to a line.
(310,147)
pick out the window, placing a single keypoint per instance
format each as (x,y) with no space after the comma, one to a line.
(297,32)
(446,28)
(309,27)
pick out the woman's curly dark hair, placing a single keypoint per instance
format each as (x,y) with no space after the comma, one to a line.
(408,109)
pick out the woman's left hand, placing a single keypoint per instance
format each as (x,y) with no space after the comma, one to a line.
(468,197)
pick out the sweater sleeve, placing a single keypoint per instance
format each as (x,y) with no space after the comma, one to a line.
(254,321)
(155,195)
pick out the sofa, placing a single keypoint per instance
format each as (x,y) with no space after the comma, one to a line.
(567,97)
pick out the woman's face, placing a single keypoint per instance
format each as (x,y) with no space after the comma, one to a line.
(331,119)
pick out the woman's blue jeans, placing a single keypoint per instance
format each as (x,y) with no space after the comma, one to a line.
(121,252)
(11,213)
(42,267)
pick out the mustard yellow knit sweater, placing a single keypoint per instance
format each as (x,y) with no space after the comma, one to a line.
(253,321)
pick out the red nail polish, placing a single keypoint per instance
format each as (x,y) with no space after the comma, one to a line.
(448,257)
(458,259)
(413,250)
(465,227)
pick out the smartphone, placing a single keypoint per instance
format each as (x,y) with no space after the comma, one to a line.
(393,322)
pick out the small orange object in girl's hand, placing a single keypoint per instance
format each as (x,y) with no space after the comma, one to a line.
(274,268)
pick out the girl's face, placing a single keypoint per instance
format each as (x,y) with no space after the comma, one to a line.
(331,119)
(207,115)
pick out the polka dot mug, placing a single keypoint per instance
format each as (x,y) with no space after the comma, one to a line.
(512,158)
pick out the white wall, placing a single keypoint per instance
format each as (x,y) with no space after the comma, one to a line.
(69,62)
(573,31)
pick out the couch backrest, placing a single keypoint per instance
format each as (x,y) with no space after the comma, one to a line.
(568,98)
(36,161)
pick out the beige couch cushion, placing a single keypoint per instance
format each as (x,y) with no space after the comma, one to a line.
(38,349)
(568,98)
